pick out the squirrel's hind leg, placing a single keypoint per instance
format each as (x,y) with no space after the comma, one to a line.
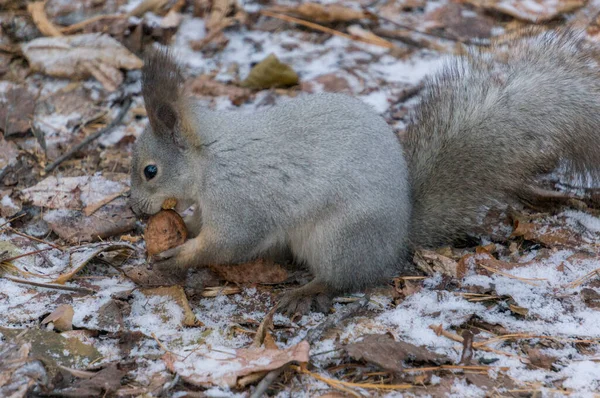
(345,254)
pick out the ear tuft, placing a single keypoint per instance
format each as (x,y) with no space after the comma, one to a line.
(167,116)
(167,106)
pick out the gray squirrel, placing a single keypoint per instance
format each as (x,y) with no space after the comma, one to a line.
(326,178)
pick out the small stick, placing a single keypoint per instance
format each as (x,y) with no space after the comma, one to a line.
(91,137)
(80,25)
(334,319)
(12,219)
(51,285)
(6,260)
(312,336)
(312,25)
(14,231)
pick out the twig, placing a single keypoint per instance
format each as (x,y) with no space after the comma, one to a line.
(51,285)
(312,336)
(12,219)
(14,231)
(266,382)
(312,25)
(75,27)
(92,137)
(6,260)
(524,280)
(339,383)
(334,319)
(481,42)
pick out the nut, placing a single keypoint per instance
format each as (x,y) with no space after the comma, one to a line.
(164,231)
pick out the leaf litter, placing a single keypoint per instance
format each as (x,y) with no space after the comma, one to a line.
(517,314)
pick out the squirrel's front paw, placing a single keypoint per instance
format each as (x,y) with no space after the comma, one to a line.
(175,261)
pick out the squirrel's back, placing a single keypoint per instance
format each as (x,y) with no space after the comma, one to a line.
(485,129)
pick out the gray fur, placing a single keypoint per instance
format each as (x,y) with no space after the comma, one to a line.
(323,175)
(483,131)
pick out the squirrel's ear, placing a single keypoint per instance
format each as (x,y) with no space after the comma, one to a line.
(167,106)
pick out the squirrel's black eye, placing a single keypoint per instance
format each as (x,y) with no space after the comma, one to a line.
(150,171)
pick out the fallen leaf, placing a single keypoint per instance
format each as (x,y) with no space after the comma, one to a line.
(539,360)
(259,271)
(517,309)
(81,255)
(61,317)
(326,13)
(335,82)
(206,85)
(71,12)
(262,335)
(536,11)
(19,372)
(110,317)
(178,295)
(467,354)
(101,383)
(270,73)
(550,234)
(54,349)
(591,298)
(389,354)
(73,226)
(431,263)
(205,367)
(460,22)
(9,206)
(17,105)
(80,56)
(77,193)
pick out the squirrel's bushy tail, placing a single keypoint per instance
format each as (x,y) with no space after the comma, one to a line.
(484,130)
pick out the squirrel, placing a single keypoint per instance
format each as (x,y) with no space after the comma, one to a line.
(326,178)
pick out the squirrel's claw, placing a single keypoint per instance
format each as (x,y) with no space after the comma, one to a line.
(173,263)
(300,301)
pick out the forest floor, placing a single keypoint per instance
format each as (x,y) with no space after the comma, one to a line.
(516,315)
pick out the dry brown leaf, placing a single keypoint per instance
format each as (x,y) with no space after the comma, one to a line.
(270,73)
(82,255)
(62,317)
(80,56)
(206,85)
(326,13)
(536,11)
(389,354)
(330,82)
(591,298)
(431,263)
(17,105)
(178,295)
(223,368)
(38,14)
(259,271)
(8,153)
(460,22)
(9,207)
(547,234)
(76,193)
(262,333)
(539,359)
(155,6)
(74,226)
